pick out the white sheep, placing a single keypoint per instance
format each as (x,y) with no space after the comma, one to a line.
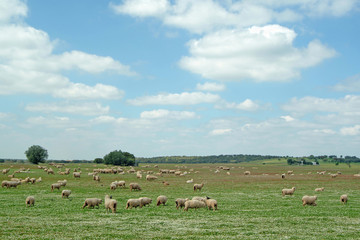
(344,198)
(133,203)
(110,204)
(190,181)
(198,186)
(30,200)
(288,191)
(247,173)
(161,200)
(199,199)
(92,202)
(211,203)
(180,202)
(309,200)
(151,177)
(319,189)
(113,186)
(194,204)
(134,186)
(63,182)
(65,193)
(76,174)
(9,184)
(55,186)
(145,201)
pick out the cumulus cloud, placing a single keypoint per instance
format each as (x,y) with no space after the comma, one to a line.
(166,114)
(185,98)
(349,105)
(210,87)
(88,109)
(52,122)
(209,15)
(288,118)
(246,105)
(260,53)
(350,131)
(29,64)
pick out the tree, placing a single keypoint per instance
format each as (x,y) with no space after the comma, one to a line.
(98,160)
(36,154)
(117,157)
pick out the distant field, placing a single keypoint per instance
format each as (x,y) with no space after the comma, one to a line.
(250,207)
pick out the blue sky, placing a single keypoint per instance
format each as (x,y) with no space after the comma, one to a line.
(155,78)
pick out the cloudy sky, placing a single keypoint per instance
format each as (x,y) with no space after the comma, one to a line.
(180,77)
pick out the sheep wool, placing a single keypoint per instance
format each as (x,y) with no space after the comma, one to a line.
(65,193)
(145,201)
(309,200)
(319,189)
(133,203)
(92,202)
(161,200)
(211,203)
(198,186)
(180,202)
(344,198)
(288,191)
(194,204)
(135,186)
(110,204)
(30,200)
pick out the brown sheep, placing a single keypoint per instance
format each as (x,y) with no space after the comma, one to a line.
(198,186)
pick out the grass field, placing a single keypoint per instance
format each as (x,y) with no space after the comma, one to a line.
(250,207)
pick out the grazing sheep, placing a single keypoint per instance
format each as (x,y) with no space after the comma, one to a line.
(145,201)
(92,202)
(50,171)
(283,175)
(211,203)
(5,171)
(333,175)
(65,193)
(166,183)
(198,186)
(151,177)
(96,178)
(134,186)
(32,180)
(76,174)
(113,186)
(139,175)
(194,204)
(247,173)
(120,183)
(110,204)
(228,173)
(319,189)
(309,200)
(133,203)
(30,200)
(290,172)
(344,198)
(39,180)
(161,200)
(10,184)
(55,185)
(199,199)
(63,182)
(180,202)
(288,191)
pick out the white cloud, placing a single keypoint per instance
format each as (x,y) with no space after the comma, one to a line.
(166,114)
(217,132)
(184,98)
(349,105)
(351,84)
(209,15)
(350,131)
(28,63)
(82,91)
(259,53)
(142,8)
(10,9)
(52,122)
(246,105)
(288,118)
(211,87)
(88,109)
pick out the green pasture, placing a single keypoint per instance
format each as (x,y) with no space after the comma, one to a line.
(249,207)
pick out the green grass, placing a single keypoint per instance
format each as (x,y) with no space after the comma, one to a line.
(250,207)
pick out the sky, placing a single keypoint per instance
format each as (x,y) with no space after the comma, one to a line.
(179,77)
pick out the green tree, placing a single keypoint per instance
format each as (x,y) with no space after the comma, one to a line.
(117,157)
(36,154)
(98,160)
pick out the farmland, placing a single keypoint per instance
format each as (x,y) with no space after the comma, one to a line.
(249,207)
